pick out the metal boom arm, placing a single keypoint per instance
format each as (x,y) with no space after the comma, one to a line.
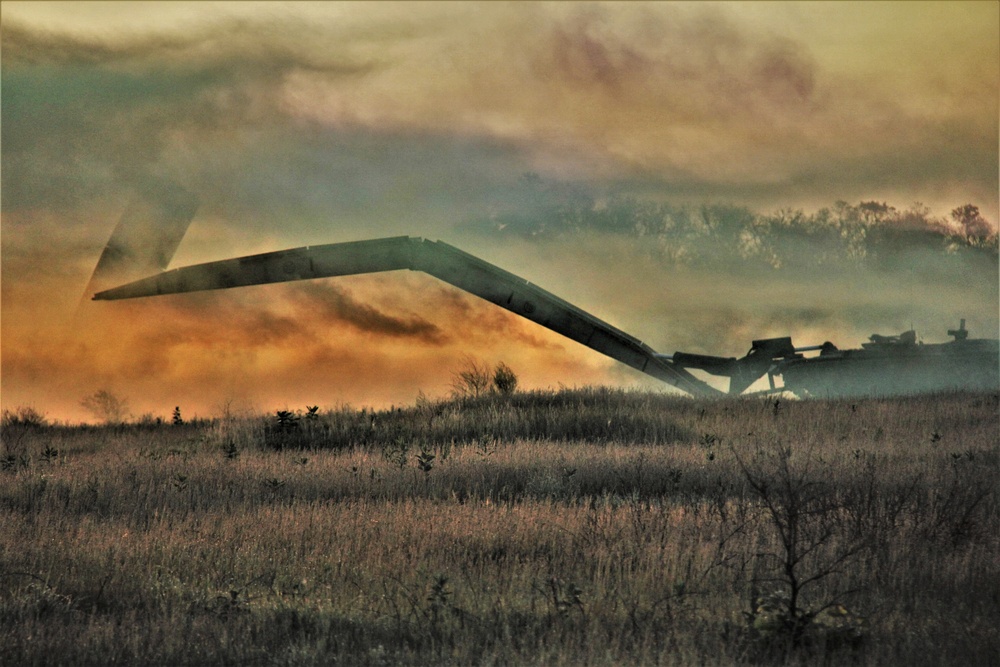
(436,258)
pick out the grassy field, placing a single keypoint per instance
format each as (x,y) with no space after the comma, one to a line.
(585,527)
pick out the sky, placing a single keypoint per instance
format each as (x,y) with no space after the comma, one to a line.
(307,123)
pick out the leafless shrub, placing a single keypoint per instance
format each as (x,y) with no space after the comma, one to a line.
(472,380)
(814,540)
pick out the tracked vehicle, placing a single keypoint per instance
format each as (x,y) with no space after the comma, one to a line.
(889,365)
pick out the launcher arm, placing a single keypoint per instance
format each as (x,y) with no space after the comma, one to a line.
(438,259)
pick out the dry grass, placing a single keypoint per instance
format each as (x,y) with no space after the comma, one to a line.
(656,540)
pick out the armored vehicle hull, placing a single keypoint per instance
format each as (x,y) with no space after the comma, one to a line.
(894,368)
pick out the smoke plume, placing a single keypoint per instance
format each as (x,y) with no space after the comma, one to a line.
(687,161)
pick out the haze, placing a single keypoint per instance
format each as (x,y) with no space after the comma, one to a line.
(307,123)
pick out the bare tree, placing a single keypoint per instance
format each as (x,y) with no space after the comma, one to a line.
(472,380)
(107,406)
(809,519)
(973,224)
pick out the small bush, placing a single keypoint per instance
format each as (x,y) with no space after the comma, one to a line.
(504,379)
(24,417)
(15,428)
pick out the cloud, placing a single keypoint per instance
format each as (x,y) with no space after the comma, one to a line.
(691,97)
(325,303)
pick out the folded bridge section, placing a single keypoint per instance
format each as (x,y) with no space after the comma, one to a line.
(435,258)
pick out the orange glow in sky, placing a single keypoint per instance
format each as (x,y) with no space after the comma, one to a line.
(308,123)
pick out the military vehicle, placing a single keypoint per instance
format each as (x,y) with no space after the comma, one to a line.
(889,365)
(886,365)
